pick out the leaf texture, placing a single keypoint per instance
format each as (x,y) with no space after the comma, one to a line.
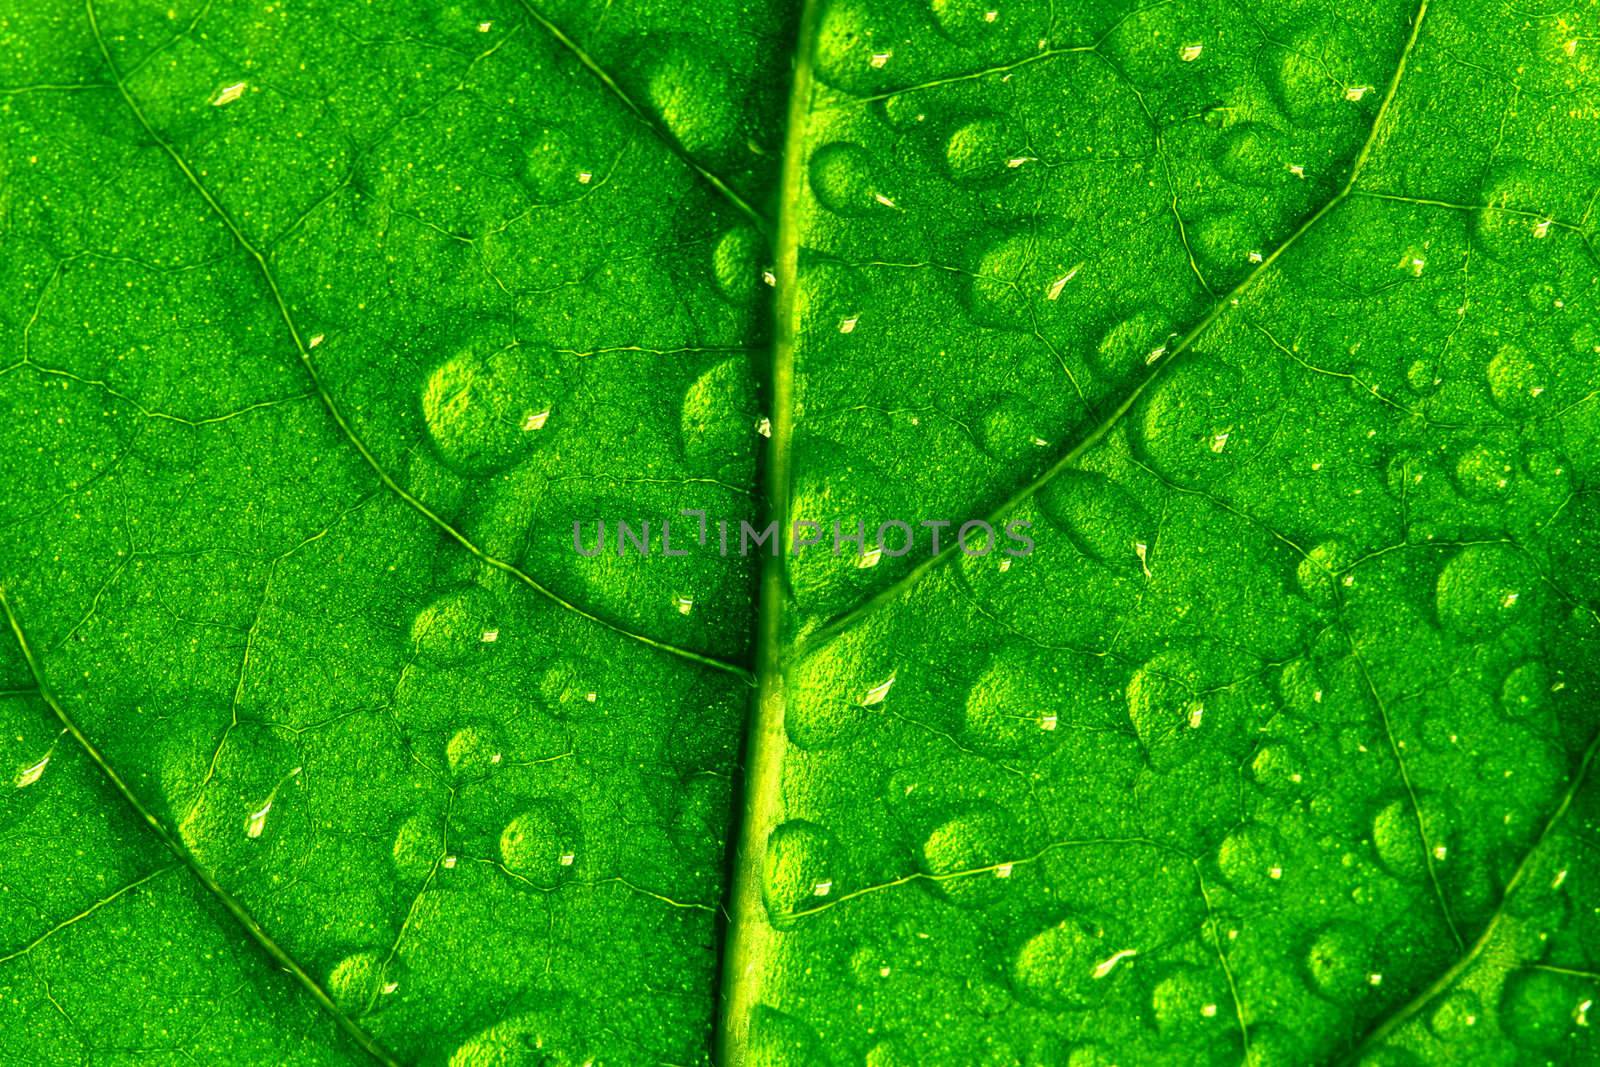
(325,322)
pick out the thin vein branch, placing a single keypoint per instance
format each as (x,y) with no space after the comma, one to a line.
(169,839)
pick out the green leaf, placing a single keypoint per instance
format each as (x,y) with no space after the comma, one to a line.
(324,324)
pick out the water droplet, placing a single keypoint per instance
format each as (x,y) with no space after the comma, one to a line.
(1191,417)
(735,262)
(1056,967)
(980,839)
(472,750)
(452,629)
(1338,961)
(980,150)
(1525,694)
(1484,472)
(354,981)
(843,179)
(417,845)
(800,857)
(1516,381)
(1251,858)
(693,91)
(541,843)
(1013,708)
(477,406)
(1253,154)
(1483,589)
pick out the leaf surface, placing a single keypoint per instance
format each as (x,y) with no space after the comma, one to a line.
(323,324)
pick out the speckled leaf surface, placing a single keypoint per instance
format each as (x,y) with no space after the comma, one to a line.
(323,322)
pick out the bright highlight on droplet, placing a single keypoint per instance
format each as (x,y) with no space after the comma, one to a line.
(28,775)
(1105,966)
(1061,282)
(876,694)
(256,824)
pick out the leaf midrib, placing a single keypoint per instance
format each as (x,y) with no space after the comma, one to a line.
(748,936)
